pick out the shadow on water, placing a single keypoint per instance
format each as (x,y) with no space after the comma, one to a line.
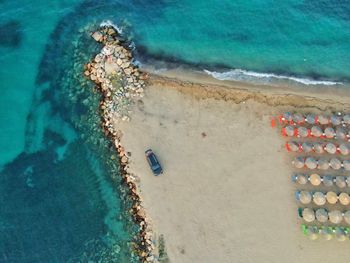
(11,34)
(61,200)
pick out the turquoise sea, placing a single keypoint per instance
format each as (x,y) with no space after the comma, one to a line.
(59,194)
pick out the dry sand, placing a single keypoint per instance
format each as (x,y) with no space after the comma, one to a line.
(226,193)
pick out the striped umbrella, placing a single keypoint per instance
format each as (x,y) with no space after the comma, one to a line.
(301,179)
(335,216)
(340,181)
(307,147)
(323,164)
(329,132)
(346,119)
(311,163)
(308,215)
(321,215)
(332,197)
(298,118)
(299,162)
(344,149)
(327,180)
(336,120)
(304,197)
(326,233)
(287,116)
(344,198)
(315,179)
(311,119)
(316,131)
(340,234)
(312,232)
(340,133)
(331,148)
(293,146)
(319,198)
(346,164)
(323,120)
(289,131)
(335,163)
(303,132)
(347,217)
(318,147)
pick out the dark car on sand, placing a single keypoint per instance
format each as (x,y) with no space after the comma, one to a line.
(153,162)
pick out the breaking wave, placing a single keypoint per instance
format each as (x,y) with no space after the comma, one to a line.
(245,75)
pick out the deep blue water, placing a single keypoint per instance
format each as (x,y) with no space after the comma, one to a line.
(59,194)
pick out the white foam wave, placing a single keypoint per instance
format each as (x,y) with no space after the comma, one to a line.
(110,23)
(245,75)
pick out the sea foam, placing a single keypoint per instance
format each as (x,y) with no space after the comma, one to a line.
(110,23)
(245,75)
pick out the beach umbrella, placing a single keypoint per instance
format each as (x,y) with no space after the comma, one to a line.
(311,119)
(304,197)
(312,232)
(289,131)
(307,147)
(298,162)
(326,233)
(340,181)
(293,146)
(327,180)
(335,216)
(316,131)
(319,198)
(329,132)
(287,116)
(318,148)
(321,215)
(331,148)
(344,198)
(303,132)
(346,165)
(322,119)
(335,163)
(315,179)
(344,149)
(347,217)
(346,119)
(340,234)
(311,163)
(336,120)
(301,179)
(323,164)
(332,197)
(298,118)
(340,133)
(308,215)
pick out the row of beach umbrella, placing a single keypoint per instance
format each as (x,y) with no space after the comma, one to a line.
(322,215)
(321,198)
(326,232)
(297,118)
(321,164)
(317,180)
(339,133)
(317,147)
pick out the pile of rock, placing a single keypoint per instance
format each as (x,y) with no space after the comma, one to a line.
(121,84)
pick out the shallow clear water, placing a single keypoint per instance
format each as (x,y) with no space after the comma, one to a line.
(59,193)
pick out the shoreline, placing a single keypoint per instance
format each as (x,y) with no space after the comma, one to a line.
(199,86)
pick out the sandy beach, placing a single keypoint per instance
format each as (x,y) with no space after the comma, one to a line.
(226,193)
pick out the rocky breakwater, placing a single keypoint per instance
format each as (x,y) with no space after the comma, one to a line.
(121,84)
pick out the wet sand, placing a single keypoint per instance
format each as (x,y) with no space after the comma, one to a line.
(226,193)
